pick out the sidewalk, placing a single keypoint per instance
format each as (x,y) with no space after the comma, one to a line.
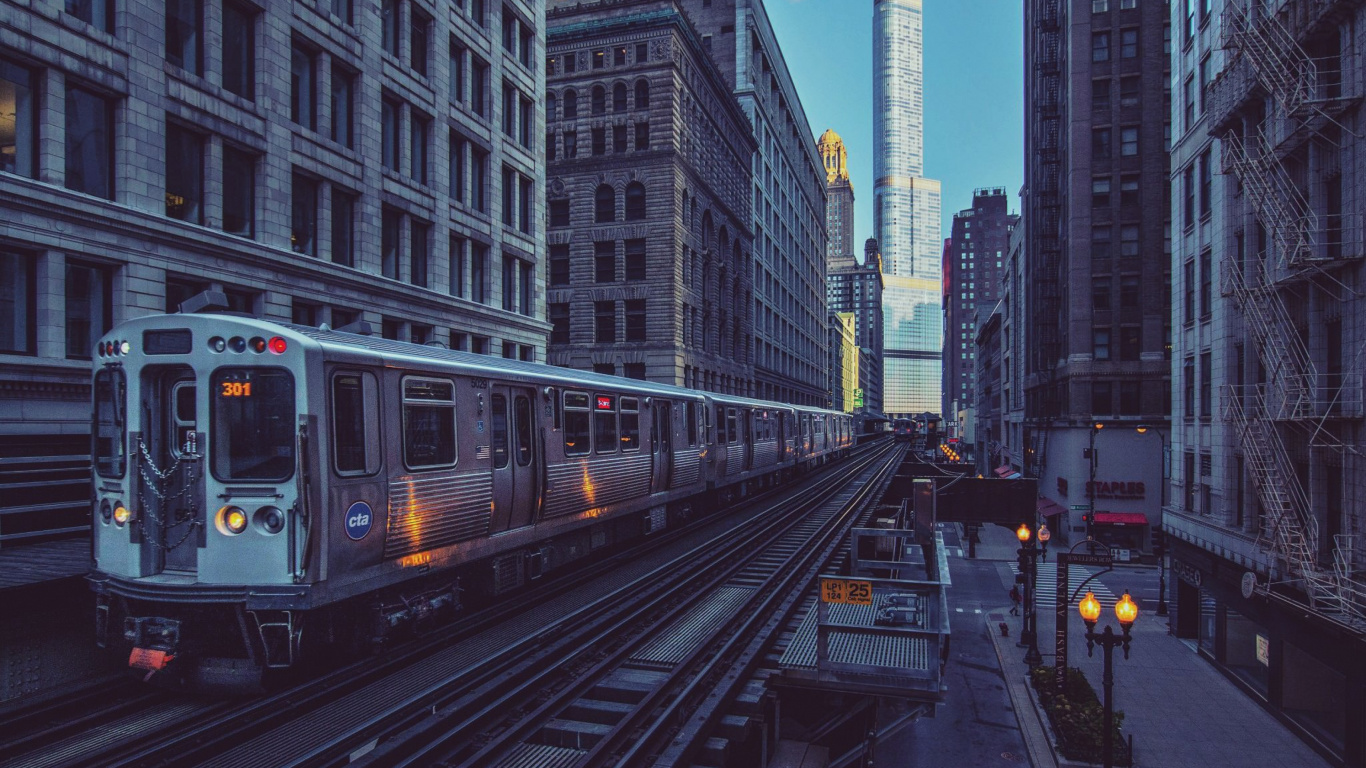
(1181,711)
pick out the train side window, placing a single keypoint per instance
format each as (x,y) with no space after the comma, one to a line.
(500,431)
(691,416)
(355,423)
(630,424)
(721,425)
(428,423)
(605,423)
(111,437)
(575,424)
(732,431)
(521,424)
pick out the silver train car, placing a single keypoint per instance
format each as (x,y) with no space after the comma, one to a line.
(266,491)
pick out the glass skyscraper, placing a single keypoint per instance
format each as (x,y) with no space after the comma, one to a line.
(905,213)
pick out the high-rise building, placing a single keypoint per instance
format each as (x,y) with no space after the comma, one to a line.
(650,248)
(906,214)
(1267,499)
(1098,318)
(858,289)
(839,204)
(317,162)
(790,319)
(973,267)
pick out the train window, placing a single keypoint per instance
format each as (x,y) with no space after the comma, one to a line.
(605,423)
(521,424)
(721,425)
(253,424)
(691,416)
(428,423)
(732,433)
(630,424)
(575,423)
(355,423)
(500,431)
(111,406)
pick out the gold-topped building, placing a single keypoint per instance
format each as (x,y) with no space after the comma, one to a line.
(839,205)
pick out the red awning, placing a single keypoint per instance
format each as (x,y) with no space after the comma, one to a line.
(1121,518)
(1003,470)
(1048,508)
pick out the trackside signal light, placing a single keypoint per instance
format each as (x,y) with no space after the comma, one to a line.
(278,345)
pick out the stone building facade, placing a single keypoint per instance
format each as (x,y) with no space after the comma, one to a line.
(788,211)
(857,288)
(650,248)
(839,204)
(322,161)
(1097,299)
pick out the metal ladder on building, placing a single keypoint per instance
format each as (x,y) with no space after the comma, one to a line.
(1281,65)
(1289,369)
(1284,209)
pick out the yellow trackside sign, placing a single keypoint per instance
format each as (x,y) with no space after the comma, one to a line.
(843,591)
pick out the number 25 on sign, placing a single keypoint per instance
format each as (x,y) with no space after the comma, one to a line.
(851,592)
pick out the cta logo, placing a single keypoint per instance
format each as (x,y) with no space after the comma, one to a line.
(357,521)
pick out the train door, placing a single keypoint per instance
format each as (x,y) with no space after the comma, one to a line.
(747,436)
(661,443)
(170,479)
(513,438)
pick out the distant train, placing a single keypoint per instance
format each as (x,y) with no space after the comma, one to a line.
(264,489)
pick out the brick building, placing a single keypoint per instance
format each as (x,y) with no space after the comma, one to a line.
(318,161)
(857,288)
(648,189)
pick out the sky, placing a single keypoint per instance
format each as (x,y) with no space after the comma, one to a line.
(974,92)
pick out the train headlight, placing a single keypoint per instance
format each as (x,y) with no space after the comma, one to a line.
(218,344)
(270,519)
(125,347)
(106,511)
(232,520)
(121,514)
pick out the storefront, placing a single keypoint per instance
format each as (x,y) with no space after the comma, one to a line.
(1306,669)
(1125,533)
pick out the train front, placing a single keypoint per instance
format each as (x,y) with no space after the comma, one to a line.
(201,522)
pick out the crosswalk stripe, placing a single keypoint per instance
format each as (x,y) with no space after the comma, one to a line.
(1047,587)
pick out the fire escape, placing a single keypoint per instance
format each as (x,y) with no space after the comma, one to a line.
(1046,187)
(1305,249)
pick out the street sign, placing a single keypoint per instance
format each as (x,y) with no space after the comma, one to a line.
(1081,558)
(1081,507)
(851,592)
(858,398)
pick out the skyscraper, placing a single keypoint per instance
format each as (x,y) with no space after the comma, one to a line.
(905,213)
(839,202)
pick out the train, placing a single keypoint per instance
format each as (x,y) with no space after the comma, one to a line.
(265,491)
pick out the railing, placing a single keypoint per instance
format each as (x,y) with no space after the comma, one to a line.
(1284,210)
(1289,370)
(1281,66)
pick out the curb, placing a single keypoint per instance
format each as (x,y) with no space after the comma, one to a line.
(1032,729)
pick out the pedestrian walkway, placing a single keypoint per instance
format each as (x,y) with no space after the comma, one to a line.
(1180,710)
(1076,577)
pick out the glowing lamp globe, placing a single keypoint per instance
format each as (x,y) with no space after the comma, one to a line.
(1126,610)
(1022,533)
(1090,609)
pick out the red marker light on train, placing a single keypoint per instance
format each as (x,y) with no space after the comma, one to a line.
(258,344)
(278,345)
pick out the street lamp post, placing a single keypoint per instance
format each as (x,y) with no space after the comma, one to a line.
(1029,566)
(1160,549)
(1091,486)
(1126,611)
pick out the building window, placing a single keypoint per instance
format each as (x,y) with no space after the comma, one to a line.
(343,225)
(549,147)
(1203,86)
(479,273)
(457,166)
(89,311)
(89,143)
(571,104)
(559,212)
(1130,343)
(96,13)
(1100,293)
(642,94)
(184,35)
(343,88)
(1188,99)
(1130,403)
(635,201)
(390,220)
(457,261)
(599,134)
(1100,242)
(1100,192)
(509,196)
(509,283)
(418,35)
(1189,206)
(599,59)
(418,253)
(303,234)
(605,261)
(479,86)
(1128,43)
(605,321)
(1206,285)
(389,142)
(239,50)
(1129,91)
(619,97)
(1100,95)
(418,130)
(526,199)
(526,116)
(1102,398)
(302,79)
(634,371)
(17,120)
(1206,184)
(559,264)
(1128,291)
(642,135)
(571,145)
(1100,144)
(635,259)
(619,139)
(526,278)
(598,100)
(1188,387)
(509,111)
(1128,241)
(604,204)
(184,174)
(1100,343)
(342,10)
(18,308)
(479,180)
(456,87)
(559,323)
(1206,387)
(1128,192)
(1128,141)
(1100,46)
(635,320)
(388,13)
(239,192)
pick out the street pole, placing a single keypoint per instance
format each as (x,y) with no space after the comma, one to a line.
(1108,682)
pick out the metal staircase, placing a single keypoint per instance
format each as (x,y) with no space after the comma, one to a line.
(1280,64)
(1289,218)
(1289,370)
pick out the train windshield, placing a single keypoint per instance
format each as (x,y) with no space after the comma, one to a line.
(253,424)
(111,395)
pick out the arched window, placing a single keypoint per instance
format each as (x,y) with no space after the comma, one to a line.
(642,94)
(571,104)
(635,201)
(550,105)
(619,97)
(599,100)
(707,244)
(605,204)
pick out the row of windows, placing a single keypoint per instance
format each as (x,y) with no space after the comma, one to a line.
(597,100)
(1102,142)
(1101,45)
(604,262)
(570,64)
(615,423)
(598,136)
(87,309)
(604,205)
(604,321)
(1130,343)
